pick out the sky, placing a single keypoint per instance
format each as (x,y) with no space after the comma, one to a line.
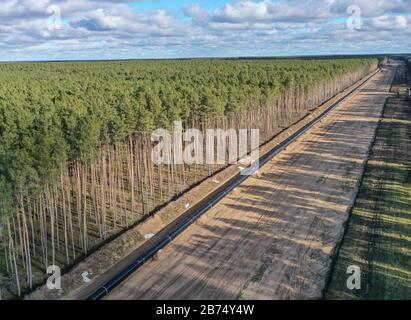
(109,29)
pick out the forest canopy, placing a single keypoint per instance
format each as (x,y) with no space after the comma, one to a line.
(53,112)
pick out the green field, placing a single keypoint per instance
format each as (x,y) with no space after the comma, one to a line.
(378,239)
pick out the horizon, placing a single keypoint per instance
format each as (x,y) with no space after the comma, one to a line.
(400,54)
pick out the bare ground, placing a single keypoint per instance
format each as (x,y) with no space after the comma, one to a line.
(273,237)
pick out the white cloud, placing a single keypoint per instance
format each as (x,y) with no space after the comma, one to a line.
(108,28)
(389,22)
(266,10)
(196,12)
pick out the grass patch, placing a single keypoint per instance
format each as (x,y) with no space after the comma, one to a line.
(266,260)
(378,237)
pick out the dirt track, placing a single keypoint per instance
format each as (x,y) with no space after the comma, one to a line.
(272,238)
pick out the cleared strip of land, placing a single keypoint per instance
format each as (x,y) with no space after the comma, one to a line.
(273,237)
(379,232)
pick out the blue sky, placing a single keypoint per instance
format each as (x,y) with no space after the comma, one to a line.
(124,29)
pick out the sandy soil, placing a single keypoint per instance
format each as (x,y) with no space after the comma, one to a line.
(273,237)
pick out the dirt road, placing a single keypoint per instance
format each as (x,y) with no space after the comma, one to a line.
(273,237)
